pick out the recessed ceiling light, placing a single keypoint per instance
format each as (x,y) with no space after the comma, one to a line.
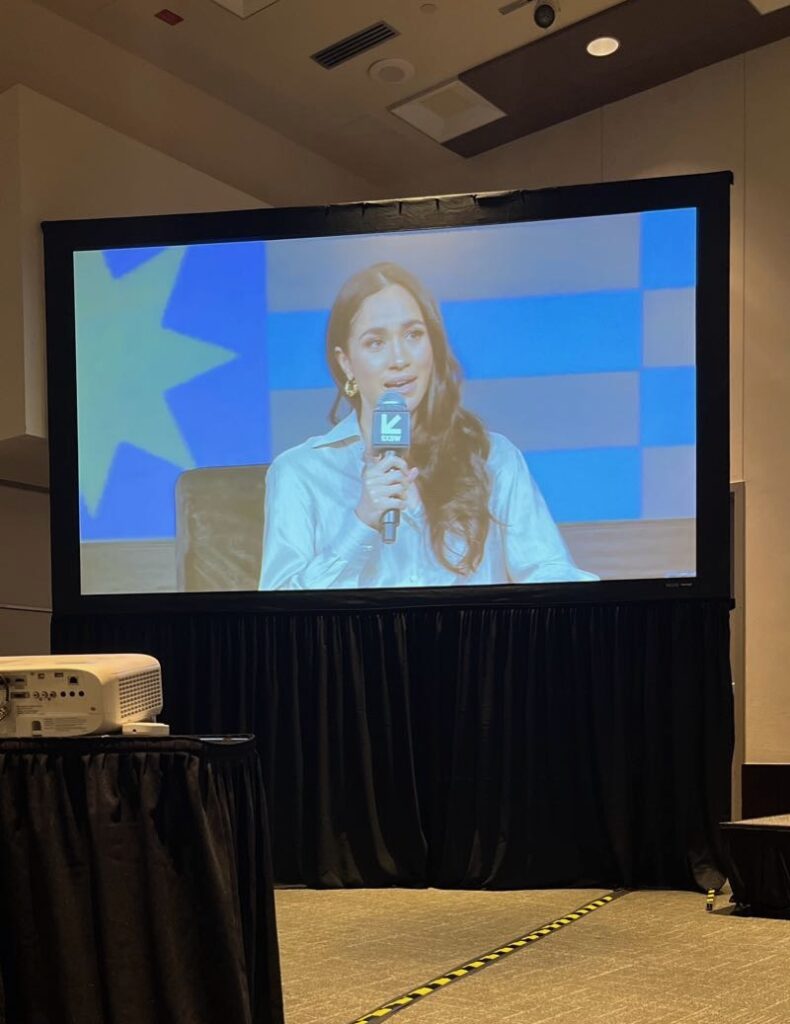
(604,46)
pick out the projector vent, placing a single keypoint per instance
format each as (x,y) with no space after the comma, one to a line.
(139,694)
(339,53)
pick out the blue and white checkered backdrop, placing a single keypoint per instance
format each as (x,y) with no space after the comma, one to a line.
(576,338)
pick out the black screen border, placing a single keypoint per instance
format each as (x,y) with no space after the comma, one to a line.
(708,193)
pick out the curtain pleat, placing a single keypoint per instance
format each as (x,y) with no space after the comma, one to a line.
(497,747)
(135,883)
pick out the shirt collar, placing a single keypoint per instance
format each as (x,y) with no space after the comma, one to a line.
(346,430)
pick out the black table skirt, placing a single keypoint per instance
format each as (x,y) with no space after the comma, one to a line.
(135,883)
(758,852)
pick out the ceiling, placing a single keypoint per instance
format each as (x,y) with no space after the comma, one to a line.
(538,86)
(262,65)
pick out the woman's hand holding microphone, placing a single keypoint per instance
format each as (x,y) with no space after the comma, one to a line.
(385,486)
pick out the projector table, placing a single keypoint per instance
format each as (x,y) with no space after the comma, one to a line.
(135,883)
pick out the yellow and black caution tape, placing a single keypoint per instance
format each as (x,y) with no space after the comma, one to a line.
(710,900)
(485,960)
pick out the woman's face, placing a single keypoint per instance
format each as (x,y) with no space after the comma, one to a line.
(388,348)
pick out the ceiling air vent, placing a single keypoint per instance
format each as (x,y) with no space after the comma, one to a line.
(448,111)
(516,5)
(339,53)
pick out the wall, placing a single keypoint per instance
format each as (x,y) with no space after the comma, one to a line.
(766,403)
(12,356)
(56,163)
(734,115)
(24,570)
(67,63)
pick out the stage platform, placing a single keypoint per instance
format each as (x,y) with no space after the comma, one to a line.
(758,850)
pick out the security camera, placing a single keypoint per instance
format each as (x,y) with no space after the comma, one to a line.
(545,14)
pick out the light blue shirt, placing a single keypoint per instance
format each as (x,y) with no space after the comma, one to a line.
(313,539)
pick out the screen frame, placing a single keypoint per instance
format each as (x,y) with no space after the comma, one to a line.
(708,193)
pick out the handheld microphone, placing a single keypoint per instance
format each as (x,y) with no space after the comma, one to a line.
(391,433)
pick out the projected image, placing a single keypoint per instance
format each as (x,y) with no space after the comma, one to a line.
(502,404)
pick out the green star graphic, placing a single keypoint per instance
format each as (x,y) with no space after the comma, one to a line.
(126,362)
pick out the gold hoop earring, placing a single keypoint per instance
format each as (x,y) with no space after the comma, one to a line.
(351,388)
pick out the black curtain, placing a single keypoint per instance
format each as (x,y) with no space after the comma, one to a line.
(507,748)
(135,884)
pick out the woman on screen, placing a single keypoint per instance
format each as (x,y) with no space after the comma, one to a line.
(470,512)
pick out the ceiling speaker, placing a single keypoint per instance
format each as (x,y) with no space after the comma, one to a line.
(391,71)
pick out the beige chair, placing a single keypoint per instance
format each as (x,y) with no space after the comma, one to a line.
(219,528)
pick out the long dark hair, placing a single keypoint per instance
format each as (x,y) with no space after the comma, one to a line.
(450,445)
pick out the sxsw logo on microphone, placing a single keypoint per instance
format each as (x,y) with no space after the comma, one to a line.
(391,428)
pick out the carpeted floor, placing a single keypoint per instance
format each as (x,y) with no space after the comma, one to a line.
(647,958)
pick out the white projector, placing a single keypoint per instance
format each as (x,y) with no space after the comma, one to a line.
(78,695)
